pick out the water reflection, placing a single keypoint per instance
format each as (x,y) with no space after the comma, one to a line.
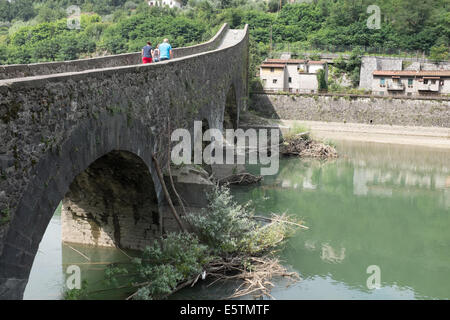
(379,205)
(49,272)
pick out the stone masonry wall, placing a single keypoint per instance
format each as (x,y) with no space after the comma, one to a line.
(413,112)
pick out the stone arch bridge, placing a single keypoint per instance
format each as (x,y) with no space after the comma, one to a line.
(85,131)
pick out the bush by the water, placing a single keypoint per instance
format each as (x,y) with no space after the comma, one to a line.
(227,239)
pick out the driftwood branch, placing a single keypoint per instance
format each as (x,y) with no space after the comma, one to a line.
(279,220)
(170,172)
(80,253)
(241,178)
(166,193)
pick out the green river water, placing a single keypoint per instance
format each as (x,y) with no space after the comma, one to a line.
(378,204)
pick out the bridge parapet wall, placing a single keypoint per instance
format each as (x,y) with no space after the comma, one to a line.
(126,59)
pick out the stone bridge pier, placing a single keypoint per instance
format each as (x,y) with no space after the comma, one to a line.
(84,132)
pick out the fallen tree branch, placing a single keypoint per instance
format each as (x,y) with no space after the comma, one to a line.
(170,172)
(166,193)
(80,253)
(279,220)
(240,178)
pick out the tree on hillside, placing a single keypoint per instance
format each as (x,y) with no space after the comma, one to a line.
(323,86)
(439,53)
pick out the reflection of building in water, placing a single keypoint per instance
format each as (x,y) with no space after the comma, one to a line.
(379,182)
(360,179)
(307,180)
(445,199)
(285,183)
(310,245)
(329,254)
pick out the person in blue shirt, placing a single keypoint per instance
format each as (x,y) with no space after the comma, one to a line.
(165,50)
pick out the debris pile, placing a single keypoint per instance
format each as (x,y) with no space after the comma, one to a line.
(303,146)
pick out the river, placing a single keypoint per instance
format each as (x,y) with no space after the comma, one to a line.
(378,206)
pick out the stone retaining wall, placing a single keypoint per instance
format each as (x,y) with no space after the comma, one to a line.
(376,110)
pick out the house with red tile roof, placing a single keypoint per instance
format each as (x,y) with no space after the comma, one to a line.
(411,82)
(291,75)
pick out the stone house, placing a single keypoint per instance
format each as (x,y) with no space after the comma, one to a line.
(161,3)
(410,82)
(291,75)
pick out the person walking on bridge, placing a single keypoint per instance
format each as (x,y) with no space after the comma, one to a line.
(156,54)
(165,50)
(147,53)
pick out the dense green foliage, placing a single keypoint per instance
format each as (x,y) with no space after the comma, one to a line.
(162,266)
(321,80)
(350,66)
(228,227)
(439,53)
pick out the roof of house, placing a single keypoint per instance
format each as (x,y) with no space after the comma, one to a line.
(272,65)
(412,73)
(293,61)
(288,61)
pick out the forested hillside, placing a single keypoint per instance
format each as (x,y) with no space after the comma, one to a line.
(32,31)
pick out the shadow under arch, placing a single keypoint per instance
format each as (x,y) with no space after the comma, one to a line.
(112,203)
(231,112)
(52,177)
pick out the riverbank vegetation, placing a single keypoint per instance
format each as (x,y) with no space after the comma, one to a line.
(227,242)
(36,31)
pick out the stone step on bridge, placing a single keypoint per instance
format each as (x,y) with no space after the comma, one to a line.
(84,132)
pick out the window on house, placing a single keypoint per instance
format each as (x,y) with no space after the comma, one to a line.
(382,82)
(264,81)
(433,81)
(272,69)
(410,83)
(425,81)
(274,81)
(290,80)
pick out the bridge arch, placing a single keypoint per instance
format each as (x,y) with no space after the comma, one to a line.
(112,203)
(108,141)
